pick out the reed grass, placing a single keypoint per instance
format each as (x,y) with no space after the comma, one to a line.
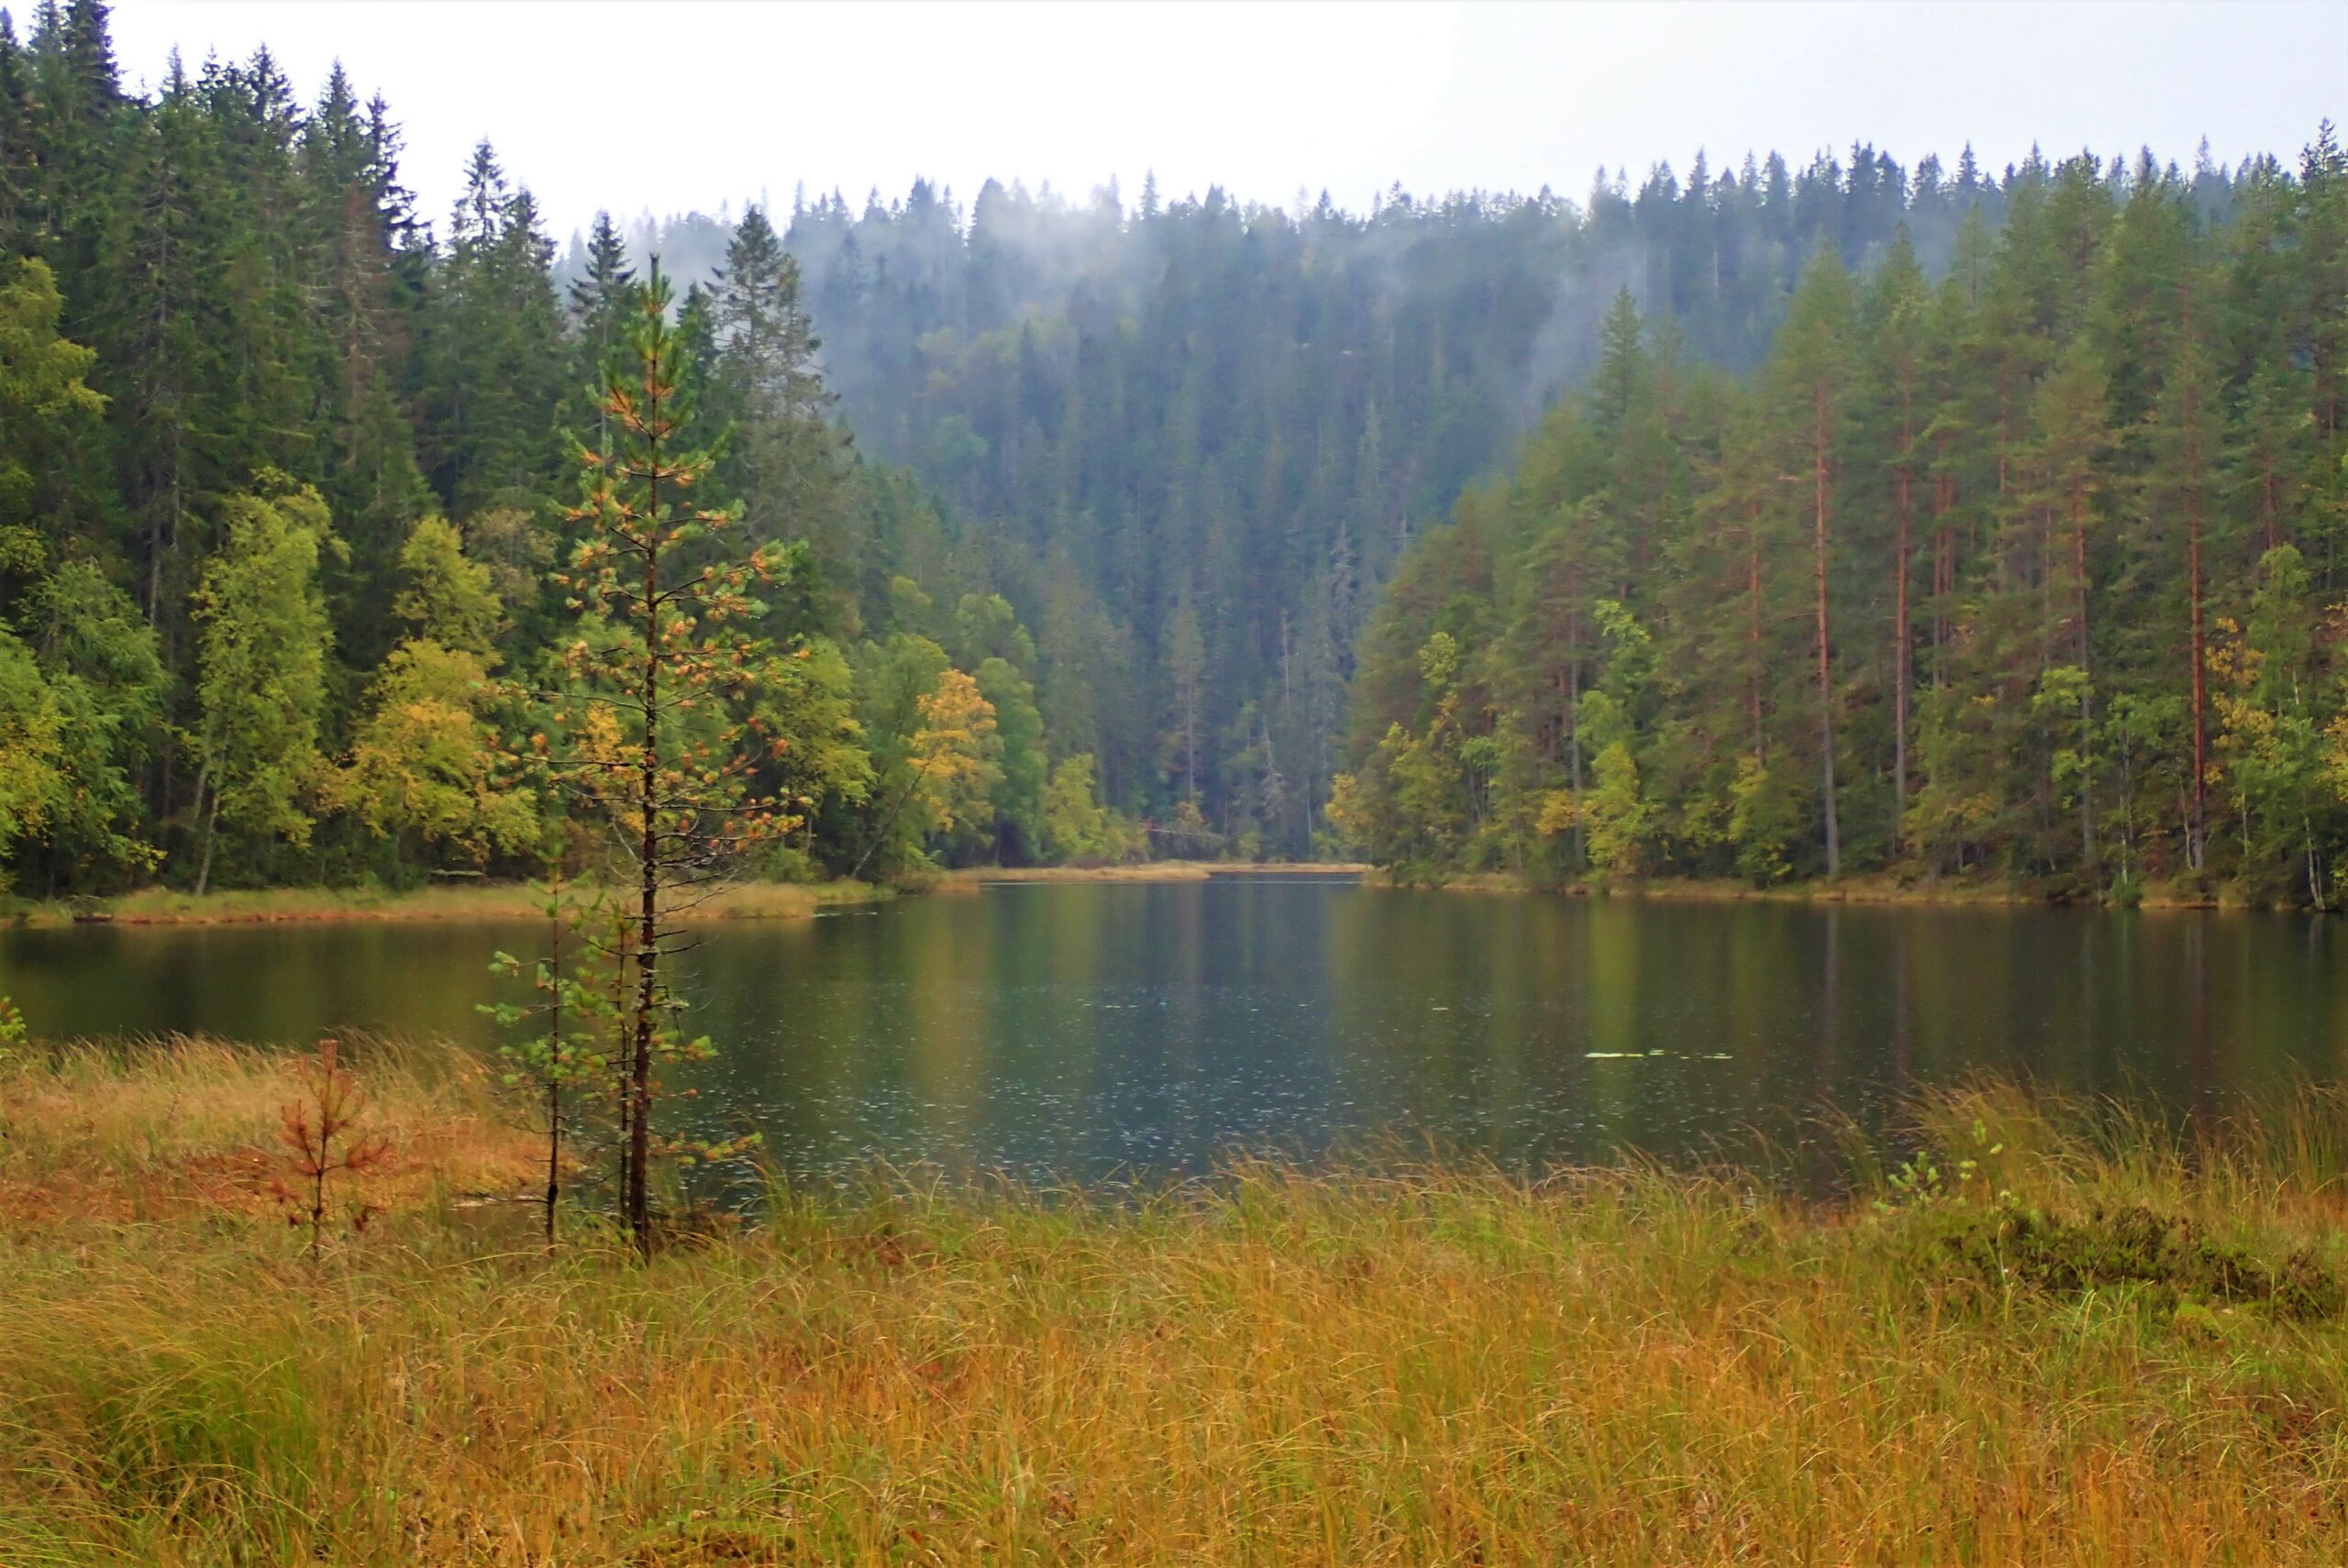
(450,901)
(1375,1365)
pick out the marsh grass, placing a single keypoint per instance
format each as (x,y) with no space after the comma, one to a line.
(441,901)
(1398,1364)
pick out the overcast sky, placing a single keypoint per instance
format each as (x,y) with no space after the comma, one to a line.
(1262,99)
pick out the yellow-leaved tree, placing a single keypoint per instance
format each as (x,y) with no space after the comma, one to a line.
(426,766)
(957,756)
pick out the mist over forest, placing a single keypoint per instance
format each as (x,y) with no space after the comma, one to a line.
(1140,471)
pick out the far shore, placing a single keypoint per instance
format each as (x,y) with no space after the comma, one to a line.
(471,901)
(790,900)
(1154,871)
(1925,891)
(522,901)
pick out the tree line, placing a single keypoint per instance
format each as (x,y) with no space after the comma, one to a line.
(2028,568)
(285,482)
(1191,436)
(287,489)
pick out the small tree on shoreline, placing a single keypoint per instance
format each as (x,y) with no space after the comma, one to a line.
(658,733)
(321,1136)
(575,985)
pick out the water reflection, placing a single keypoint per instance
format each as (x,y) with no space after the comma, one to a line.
(1085,1029)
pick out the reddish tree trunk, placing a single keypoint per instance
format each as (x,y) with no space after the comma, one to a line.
(648,918)
(2197,830)
(1825,656)
(1900,657)
(1753,627)
(2080,619)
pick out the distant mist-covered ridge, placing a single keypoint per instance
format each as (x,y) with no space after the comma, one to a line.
(1088,510)
(1222,423)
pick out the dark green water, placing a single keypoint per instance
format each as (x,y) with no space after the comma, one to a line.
(1083,1030)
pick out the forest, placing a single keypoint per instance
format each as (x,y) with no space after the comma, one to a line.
(2027,569)
(289,495)
(1927,518)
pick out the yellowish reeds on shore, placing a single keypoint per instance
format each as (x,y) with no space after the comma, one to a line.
(2060,1335)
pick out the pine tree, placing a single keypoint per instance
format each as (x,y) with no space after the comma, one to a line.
(663,740)
(1810,372)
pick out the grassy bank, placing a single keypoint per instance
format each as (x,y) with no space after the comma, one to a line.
(1145,871)
(2135,1355)
(515,900)
(1979,892)
(446,901)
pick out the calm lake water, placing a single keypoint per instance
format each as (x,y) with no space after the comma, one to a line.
(1089,1030)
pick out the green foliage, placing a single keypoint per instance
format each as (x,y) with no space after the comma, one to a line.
(2008,1247)
(447,598)
(818,761)
(669,748)
(1025,767)
(426,763)
(1078,829)
(46,404)
(107,679)
(1996,575)
(31,753)
(262,667)
(1175,468)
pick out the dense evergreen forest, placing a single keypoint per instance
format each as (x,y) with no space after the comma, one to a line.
(1103,513)
(289,483)
(1191,438)
(2030,568)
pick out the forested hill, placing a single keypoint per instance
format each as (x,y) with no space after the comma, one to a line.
(1191,436)
(1091,499)
(2032,568)
(289,478)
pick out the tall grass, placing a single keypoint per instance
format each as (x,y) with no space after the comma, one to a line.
(1626,1365)
(441,901)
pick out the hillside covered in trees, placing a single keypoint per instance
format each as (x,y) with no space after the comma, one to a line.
(289,482)
(1092,504)
(1190,438)
(2030,567)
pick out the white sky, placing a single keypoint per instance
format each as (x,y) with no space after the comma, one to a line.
(1263,98)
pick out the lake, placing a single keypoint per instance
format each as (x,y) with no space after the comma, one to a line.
(1089,1030)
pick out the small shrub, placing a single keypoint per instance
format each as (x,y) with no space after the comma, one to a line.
(321,1137)
(2009,1244)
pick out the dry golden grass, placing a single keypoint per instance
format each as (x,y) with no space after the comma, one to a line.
(1141,871)
(450,901)
(1627,1366)
(186,1129)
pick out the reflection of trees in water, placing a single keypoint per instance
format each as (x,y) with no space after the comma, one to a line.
(1079,1025)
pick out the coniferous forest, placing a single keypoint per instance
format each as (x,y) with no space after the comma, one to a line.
(1921,519)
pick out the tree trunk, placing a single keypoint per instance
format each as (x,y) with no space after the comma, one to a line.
(2086,731)
(2197,829)
(1899,659)
(648,918)
(1573,737)
(211,830)
(1825,656)
(1753,633)
(554,1064)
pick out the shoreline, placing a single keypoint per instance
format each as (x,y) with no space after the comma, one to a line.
(1879,891)
(1154,871)
(489,901)
(790,900)
(521,901)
